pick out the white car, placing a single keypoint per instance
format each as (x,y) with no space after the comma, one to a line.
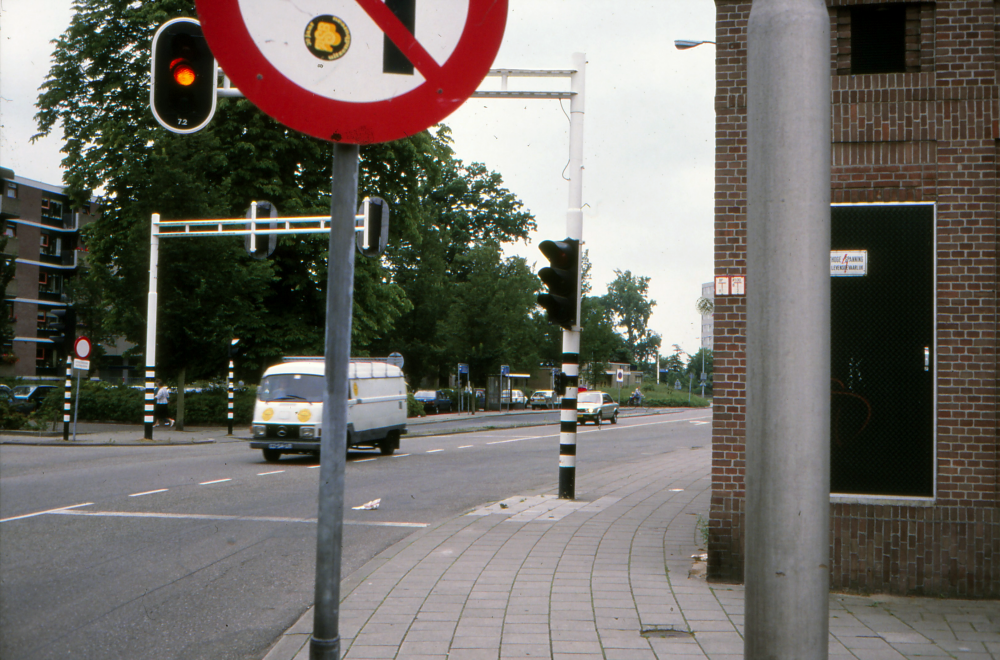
(595,407)
(544,399)
(515,398)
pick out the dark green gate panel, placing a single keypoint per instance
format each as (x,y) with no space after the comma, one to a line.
(882,327)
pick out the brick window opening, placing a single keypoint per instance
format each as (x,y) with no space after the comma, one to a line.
(878,39)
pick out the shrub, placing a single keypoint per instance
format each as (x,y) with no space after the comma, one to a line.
(413,407)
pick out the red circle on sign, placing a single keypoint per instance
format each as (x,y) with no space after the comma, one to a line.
(445,87)
(82,348)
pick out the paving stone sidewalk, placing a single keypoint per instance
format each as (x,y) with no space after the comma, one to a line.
(609,576)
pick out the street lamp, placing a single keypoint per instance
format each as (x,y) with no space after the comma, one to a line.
(684,44)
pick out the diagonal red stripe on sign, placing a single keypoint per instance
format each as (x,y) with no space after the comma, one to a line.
(402,38)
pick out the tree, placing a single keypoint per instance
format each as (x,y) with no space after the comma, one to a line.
(210,290)
(630,307)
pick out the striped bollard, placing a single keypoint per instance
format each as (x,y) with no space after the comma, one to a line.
(150,400)
(67,400)
(567,415)
(230,387)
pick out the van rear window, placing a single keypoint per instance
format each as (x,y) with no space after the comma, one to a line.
(291,387)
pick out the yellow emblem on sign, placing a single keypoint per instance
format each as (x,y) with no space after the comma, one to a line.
(304,415)
(355,388)
(267,414)
(327,37)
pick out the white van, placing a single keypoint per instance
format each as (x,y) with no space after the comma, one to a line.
(288,413)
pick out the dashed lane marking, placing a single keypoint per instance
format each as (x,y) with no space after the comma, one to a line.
(465,446)
(149,492)
(40,513)
(264,474)
(400,455)
(530,437)
(433,451)
(206,516)
(217,481)
(364,460)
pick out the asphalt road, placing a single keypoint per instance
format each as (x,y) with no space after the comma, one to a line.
(206,551)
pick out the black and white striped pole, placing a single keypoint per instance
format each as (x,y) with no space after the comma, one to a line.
(154,259)
(574,232)
(67,394)
(229,382)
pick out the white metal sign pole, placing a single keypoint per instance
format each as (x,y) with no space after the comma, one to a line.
(571,338)
(325,641)
(154,258)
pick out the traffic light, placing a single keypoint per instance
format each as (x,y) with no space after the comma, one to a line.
(63,329)
(184,77)
(562,277)
(371,241)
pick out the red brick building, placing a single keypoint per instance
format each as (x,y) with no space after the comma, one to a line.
(915,459)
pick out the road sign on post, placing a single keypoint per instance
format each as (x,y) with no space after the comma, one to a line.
(360,72)
(355,71)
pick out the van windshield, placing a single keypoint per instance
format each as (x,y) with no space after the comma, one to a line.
(291,387)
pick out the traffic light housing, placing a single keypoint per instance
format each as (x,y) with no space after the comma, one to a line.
(562,277)
(63,329)
(373,238)
(184,77)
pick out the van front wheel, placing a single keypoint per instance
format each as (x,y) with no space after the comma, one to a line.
(389,444)
(271,455)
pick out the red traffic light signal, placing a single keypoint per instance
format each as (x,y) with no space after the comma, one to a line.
(562,277)
(184,77)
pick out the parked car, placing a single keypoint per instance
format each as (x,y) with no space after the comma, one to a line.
(515,398)
(6,394)
(595,407)
(27,398)
(544,399)
(434,400)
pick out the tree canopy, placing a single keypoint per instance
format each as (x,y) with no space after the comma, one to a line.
(449,221)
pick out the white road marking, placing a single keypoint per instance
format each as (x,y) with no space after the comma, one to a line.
(204,516)
(39,513)
(261,474)
(400,455)
(364,460)
(465,446)
(676,490)
(699,423)
(530,437)
(149,492)
(312,467)
(433,451)
(217,481)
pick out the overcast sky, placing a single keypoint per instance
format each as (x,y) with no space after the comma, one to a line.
(648,133)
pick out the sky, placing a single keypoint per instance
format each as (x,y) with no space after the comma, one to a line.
(648,142)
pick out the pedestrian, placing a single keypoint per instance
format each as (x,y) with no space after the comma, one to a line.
(162,397)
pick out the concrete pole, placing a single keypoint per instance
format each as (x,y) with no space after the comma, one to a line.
(574,229)
(325,641)
(154,260)
(788,331)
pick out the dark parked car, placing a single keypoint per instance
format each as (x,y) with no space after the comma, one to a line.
(434,401)
(27,398)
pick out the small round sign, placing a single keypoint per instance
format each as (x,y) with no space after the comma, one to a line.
(355,71)
(82,348)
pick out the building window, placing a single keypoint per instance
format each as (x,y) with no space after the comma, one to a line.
(10,231)
(43,240)
(11,190)
(42,321)
(878,38)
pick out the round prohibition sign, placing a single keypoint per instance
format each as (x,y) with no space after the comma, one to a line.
(355,71)
(81,347)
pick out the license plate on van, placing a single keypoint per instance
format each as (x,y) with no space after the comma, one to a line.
(275,445)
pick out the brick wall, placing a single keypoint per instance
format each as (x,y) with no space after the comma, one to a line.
(927,134)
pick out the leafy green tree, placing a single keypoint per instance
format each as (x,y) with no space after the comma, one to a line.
(209,290)
(628,302)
